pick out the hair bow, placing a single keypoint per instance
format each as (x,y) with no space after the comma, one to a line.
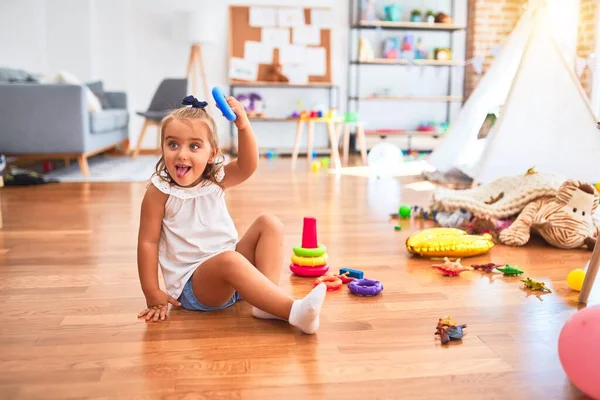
(194,102)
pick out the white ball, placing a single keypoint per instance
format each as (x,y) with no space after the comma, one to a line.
(385,157)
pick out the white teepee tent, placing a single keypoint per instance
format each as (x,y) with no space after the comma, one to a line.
(545,122)
(461,138)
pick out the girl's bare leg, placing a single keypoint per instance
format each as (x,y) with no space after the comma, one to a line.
(215,281)
(262,245)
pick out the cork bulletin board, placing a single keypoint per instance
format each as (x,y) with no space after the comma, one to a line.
(293,40)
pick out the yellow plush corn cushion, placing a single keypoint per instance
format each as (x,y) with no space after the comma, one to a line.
(448,242)
(310,261)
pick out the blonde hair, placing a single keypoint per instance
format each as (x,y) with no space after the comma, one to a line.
(192,113)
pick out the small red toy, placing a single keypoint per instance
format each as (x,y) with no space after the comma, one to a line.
(489,267)
(345,278)
(331,281)
(451,268)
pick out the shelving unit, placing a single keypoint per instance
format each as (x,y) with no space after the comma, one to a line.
(354,98)
(331,90)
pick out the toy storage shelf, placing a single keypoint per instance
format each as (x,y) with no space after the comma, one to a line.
(429,63)
(400,132)
(330,87)
(451,94)
(281,84)
(408,98)
(405,25)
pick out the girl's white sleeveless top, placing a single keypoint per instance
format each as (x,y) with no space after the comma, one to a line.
(196,226)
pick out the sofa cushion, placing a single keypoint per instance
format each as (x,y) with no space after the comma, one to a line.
(108,120)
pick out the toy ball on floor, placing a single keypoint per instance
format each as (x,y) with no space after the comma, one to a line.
(385,157)
(575,279)
(579,350)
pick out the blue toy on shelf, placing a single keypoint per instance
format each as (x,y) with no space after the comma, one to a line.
(222,104)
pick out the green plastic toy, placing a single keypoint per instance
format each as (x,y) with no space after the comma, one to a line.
(404,211)
(535,285)
(509,271)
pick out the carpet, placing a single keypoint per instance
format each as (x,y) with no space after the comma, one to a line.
(109,169)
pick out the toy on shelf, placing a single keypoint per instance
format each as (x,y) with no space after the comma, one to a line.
(420,52)
(443,18)
(275,74)
(392,12)
(391,48)
(331,281)
(368,11)
(442,54)
(535,285)
(448,242)
(451,268)
(365,50)
(430,17)
(253,104)
(415,15)
(365,287)
(310,259)
(510,270)
(489,267)
(447,330)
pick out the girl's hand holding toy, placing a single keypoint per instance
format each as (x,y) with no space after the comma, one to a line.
(231,108)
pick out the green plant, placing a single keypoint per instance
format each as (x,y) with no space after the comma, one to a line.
(415,13)
(430,13)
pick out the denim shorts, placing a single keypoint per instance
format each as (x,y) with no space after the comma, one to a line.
(190,302)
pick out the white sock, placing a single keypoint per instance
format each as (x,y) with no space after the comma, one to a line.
(305,312)
(258,313)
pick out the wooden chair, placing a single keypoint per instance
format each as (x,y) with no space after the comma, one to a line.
(167,97)
(351,120)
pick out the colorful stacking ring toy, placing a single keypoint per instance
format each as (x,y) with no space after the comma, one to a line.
(332,282)
(309,271)
(309,261)
(316,252)
(365,287)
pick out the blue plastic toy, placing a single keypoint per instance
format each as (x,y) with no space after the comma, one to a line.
(222,104)
(352,273)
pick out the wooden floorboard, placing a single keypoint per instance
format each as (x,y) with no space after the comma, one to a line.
(69,296)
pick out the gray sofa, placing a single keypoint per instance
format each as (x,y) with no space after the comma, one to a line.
(50,121)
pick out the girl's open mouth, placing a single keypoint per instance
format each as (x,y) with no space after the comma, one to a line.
(181,170)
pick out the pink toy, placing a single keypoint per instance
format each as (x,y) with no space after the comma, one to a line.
(579,350)
(308,271)
(309,233)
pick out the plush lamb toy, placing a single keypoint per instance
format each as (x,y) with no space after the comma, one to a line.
(564,221)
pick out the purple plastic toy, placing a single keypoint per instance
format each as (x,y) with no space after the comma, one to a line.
(365,287)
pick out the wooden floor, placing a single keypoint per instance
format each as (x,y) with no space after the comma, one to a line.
(69,296)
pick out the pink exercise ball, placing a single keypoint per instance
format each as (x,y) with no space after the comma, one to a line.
(579,350)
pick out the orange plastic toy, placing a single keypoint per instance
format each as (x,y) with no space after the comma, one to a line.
(332,282)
